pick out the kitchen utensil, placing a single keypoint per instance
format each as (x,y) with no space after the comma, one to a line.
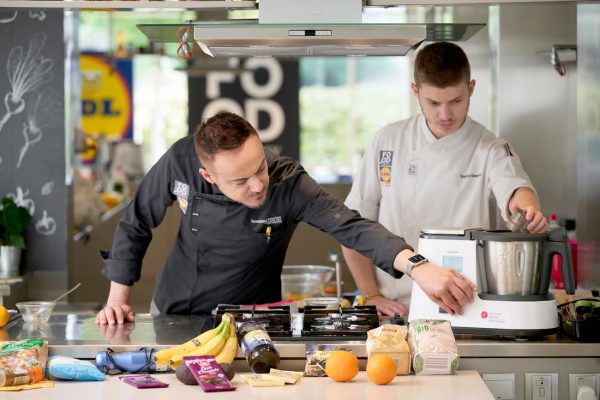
(512,273)
(64,294)
(39,311)
(35,311)
(328,302)
(520,263)
(300,281)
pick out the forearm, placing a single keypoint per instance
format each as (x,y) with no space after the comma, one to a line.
(362,271)
(119,294)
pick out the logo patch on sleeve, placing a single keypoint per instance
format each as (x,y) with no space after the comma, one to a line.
(385,167)
(182,191)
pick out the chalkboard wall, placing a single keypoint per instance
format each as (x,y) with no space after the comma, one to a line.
(32,129)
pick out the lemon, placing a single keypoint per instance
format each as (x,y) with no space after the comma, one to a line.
(3,316)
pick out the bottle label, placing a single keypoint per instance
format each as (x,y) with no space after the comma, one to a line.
(21,377)
(253,339)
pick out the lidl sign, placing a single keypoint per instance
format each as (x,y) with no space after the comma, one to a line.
(106,96)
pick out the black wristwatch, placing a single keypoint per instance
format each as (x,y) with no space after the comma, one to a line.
(413,262)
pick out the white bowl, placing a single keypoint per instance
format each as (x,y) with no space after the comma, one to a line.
(35,311)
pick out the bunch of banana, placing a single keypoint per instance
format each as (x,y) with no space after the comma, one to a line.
(162,357)
(221,339)
(227,354)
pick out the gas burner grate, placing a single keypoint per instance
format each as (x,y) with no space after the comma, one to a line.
(346,322)
(275,319)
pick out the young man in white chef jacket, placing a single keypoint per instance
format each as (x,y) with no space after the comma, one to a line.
(436,169)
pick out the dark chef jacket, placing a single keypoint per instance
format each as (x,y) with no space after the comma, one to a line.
(222,253)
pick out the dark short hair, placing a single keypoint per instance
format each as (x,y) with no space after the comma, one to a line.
(224,131)
(442,64)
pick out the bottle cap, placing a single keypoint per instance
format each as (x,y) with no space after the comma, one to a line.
(38,374)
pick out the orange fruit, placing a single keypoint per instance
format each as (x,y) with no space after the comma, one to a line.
(381,369)
(341,366)
(3,316)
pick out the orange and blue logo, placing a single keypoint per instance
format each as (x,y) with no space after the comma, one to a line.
(385,167)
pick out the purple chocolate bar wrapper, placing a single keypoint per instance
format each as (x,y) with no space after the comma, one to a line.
(143,381)
(208,373)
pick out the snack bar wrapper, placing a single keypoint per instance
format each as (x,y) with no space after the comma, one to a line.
(390,339)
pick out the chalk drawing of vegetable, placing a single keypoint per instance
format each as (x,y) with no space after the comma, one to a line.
(40,114)
(27,70)
(46,225)
(31,130)
(20,199)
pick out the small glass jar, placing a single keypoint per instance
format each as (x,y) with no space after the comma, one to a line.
(20,375)
(257,347)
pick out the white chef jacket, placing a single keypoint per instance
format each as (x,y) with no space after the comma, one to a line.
(410,180)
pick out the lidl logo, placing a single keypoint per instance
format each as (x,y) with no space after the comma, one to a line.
(385,167)
(107,104)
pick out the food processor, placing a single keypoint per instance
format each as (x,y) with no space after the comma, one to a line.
(512,273)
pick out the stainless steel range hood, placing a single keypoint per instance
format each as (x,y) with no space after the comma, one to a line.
(233,38)
(296,40)
(296,28)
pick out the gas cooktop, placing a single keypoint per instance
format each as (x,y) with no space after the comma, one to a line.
(314,323)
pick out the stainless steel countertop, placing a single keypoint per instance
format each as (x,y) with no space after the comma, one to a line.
(77,335)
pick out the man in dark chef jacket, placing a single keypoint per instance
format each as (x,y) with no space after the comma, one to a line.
(240,205)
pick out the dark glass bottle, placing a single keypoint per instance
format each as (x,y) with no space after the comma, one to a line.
(257,347)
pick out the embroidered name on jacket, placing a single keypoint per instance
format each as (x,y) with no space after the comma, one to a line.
(268,221)
(385,167)
(464,176)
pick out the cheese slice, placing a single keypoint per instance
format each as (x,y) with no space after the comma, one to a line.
(262,380)
(286,376)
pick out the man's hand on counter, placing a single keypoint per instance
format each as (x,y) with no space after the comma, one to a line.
(118,313)
(117,306)
(447,288)
(387,306)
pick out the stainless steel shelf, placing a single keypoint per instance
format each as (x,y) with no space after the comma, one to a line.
(227,4)
(396,3)
(132,5)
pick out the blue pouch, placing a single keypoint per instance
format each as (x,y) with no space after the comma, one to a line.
(62,367)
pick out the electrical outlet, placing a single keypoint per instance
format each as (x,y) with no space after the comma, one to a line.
(541,386)
(579,381)
(502,386)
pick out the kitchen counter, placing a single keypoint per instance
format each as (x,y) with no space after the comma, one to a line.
(76,335)
(462,385)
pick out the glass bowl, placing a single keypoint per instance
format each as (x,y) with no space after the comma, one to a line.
(327,302)
(300,281)
(35,311)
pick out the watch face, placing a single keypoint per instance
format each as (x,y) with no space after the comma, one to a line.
(416,258)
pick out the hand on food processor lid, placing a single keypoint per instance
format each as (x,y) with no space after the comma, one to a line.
(517,221)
